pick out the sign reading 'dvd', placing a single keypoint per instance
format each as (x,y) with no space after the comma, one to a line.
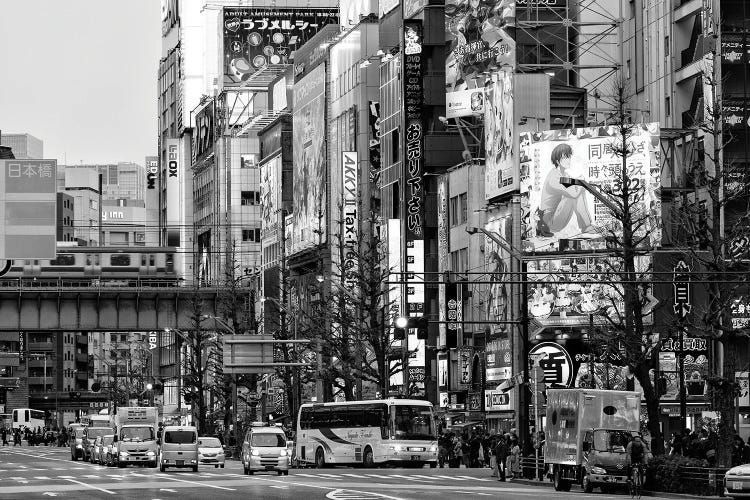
(28,209)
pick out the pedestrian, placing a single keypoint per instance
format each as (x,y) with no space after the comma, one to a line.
(444,444)
(737,450)
(17,437)
(493,459)
(475,445)
(4,435)
(514,459)
(465,451)
(501,455)
(457,452)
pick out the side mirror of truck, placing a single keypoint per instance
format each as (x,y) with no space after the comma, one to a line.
(114,438)
(586,446)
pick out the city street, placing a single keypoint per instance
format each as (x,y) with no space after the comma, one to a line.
(48,472)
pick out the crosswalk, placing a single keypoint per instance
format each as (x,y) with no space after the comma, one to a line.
(416,478)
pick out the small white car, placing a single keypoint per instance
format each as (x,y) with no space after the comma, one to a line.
(737,482)
(210,452)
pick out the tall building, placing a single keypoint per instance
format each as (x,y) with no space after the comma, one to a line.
(65,217)
(83,185)
(123,180)
(24,146)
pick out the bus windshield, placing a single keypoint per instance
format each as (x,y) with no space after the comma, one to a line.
(412,422)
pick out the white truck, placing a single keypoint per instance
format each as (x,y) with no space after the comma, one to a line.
(135,438)
(587,431)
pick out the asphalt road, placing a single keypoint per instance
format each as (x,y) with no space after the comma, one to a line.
(41,472)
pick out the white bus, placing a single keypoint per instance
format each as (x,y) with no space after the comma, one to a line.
(26,417)
(367,433)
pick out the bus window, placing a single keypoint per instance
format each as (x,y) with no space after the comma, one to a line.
(305,418)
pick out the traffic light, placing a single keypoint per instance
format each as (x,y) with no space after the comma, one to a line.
(422,328)
(399,333)
(96,387)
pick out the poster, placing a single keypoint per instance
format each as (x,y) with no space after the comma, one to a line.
(499,360)
(558,218)
(270,200)
(309,194)
(501,170)
(443,253)
(480,34)
(497,267)
(255,38)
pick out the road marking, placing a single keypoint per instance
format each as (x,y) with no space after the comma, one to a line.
(330,476)
(49,494)
(305,475)
(451,478)
(168,490)
(195,482)
(91,486)
(355,475)
(353,495)
(279,487)
(473,478)
(408,478)
(42,477)
(377,476)
(322,487)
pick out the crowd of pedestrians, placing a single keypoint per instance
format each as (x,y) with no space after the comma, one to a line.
(34,437)
(479,448)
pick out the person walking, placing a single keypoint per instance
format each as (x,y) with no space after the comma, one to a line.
(17,438)
(501,455)
(474,446)
(514,459)
(4,435)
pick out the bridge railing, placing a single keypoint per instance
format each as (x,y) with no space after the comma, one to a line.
(59,284)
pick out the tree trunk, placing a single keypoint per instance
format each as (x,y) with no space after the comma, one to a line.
(652,408)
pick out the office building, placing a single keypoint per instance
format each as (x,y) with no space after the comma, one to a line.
(24,146)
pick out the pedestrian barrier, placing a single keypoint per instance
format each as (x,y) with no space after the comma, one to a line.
(532,467)
(707,481)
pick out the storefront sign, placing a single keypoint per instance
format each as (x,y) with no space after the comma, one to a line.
(152,174)
(682,304)
(499,360)
(498,401)
(350,208)
(21,347)
(204,131)
(556,364)
(465,356)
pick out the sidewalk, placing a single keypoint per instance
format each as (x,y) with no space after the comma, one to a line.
(659,494)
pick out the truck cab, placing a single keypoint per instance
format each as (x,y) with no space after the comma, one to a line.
(135,439)
(604,458)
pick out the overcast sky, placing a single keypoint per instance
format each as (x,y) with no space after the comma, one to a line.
(81,76)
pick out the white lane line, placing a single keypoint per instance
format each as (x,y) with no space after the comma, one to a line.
(91,486)
(473,478)
(407,478)
(422,476)
(116,477)
(324,487)
(377,476)
(42,477)
(330,476)
(90,476)
(279,487)
(451,478)
(355,475)
(206,485)
(304,475)
(65,477)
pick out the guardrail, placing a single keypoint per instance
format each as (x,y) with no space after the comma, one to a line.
(532,467)
(708,481)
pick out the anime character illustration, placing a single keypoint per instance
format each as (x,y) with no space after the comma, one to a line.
(542,300)
(497,300)
(560,204)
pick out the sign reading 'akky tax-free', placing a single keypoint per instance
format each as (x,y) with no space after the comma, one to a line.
(28,209)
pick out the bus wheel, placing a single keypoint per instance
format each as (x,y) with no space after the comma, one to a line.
(320,459)
(367,460)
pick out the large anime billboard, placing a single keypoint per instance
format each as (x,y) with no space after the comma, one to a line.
(501,170)
(558,218)
(256,37)
(480,34)
(309,194)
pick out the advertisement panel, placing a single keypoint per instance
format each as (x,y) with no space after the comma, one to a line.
(170,15)
(174,166)
(443,253)
(152,172)
(28,198)
(374,141)
(309,195)
(393,237)
(501,171)
(204,131)
(204,258)
(351,12)
(499,360)
(350,218)
(555,217)
(481,41)
(498,400)
(497,267)
(270,200)
(255,38)
(566,291)
(464,103)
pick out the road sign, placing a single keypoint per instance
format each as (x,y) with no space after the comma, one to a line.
(28,209)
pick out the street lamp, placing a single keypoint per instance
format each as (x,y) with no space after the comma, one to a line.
(594,190)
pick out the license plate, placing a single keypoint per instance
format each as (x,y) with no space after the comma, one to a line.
(269,467)
(737,485)
(415,457)
(180,462)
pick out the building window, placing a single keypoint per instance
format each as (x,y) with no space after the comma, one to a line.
(463,205)
(460,260)
(668,105)
(251,235)
(453,211)
(627,69)
(250,198)
(666,46)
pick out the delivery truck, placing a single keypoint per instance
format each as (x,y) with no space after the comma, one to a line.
(135,437)
(587,431)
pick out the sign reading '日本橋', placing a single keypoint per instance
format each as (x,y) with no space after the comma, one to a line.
(28,209)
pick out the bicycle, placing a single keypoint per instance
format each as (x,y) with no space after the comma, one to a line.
(635,482)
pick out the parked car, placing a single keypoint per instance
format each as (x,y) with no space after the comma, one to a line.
(737,482)
(210,452)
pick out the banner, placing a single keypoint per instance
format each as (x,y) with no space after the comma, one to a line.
(443,253)
(270,201)
(499,360)
(497,267)
(558,218)
(309,130)
(349,166)
(373,119)
(204,131)
(481,43)
(174,201)
(501,171)
(255,38)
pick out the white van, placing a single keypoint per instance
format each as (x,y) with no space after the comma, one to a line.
(178,447)
(265,449)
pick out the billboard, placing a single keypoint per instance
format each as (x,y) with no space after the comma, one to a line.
(174,203)
(270,200)
(497,267)
(152,172)
(204,131)
(309,126)
(373,120)
(566,291)
(170,15)
(443,253)
(28,198)
(501,172)
(499,360)
(351,12)
(255,38)
(558,218)
(481,41)
(350,218)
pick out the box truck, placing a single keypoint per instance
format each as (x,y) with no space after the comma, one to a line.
(587,431)
(135,438)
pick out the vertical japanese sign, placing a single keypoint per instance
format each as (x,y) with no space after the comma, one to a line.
(413,161)
(374,143)
(465,356)
(681,287)
(501,169)
(350,208)
(28,209)
(443,253)
(21,347)
(393,237)
(174,202)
